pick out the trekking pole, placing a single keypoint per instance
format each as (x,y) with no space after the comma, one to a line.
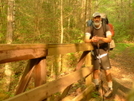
(99,57)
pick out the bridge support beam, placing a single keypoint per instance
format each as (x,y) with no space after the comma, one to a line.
(82,59)
(35,68)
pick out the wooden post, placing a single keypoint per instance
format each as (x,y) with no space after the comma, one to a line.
(88,63)
(40,72)
(81,61)
(26,76)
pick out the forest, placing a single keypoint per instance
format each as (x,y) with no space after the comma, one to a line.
(56,21)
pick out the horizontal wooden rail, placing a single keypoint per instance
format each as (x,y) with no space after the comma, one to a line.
(17,52)
(55,49)
(85,93)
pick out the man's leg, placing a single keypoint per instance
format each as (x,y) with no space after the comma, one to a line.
(96,79)
(110,83)
(109,79)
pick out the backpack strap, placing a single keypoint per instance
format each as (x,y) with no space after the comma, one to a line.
(104,29)
(92,29)
(104,26)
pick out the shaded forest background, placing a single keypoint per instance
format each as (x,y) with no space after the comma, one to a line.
(39,21)
(59,21)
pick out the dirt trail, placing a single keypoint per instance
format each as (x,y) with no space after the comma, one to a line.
(123,72)
(123,67)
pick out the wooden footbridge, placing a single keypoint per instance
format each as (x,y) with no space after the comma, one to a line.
(37,68)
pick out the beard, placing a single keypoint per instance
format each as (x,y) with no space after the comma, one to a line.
(97,23)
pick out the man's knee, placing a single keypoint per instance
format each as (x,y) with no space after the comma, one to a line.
(108,75)
(96,71)
(107,72)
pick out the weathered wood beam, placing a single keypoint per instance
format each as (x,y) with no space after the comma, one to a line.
(65,92)
(55,49)
(26,76)
(83,96)
(44,91)
(35,67)
(40,72)
(82,59)
(5,47)
(86,92)
(16,52)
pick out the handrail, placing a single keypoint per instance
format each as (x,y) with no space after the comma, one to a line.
(17,52)
(55,49)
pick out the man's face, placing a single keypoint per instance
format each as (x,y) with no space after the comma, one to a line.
(97,20)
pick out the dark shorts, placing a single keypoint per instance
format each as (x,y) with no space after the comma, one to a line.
(100,59)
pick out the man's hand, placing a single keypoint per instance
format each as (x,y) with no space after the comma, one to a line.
(95,39)
(101,39)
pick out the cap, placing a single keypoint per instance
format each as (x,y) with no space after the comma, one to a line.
(96,14)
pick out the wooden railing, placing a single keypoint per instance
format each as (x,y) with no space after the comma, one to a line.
(36,54)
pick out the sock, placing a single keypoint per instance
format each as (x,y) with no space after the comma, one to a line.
(96,81)
(110,85)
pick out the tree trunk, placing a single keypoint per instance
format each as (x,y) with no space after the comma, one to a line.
(8,69)
(61,19)
(10,21)
(61,37)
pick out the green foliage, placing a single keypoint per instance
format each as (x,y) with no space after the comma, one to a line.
(73,36)
(120,47)
(120,15)
(39,21)
(94,94)
(121,34)
(72,59)
(3,95)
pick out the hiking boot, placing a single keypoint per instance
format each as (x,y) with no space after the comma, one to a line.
(108,93)
(97,87)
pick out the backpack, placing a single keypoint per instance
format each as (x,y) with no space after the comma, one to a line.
(104,22)
(89,23)
(111,29)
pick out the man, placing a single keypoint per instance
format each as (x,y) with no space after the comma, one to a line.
(99,38)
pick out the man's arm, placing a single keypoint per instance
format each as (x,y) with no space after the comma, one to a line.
(108,37)
(87,37)
(98,39)
(94,39)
